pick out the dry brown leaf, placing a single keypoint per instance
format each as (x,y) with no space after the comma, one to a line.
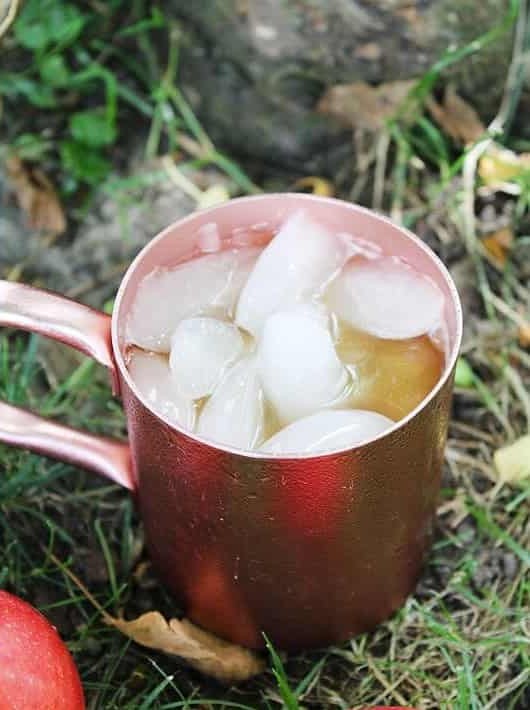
(207,653)
(370,51)
(317,185)
(36,196)
(360,105)
(513,461)
(499,166)
(498,244)
(524,335)
(456,117)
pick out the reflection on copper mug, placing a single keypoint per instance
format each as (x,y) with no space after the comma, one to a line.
(309,549)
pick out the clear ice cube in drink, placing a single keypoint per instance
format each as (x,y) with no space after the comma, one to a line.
(328,430)
(205,285)
(293,267)
(202,348)
(234,414)
(151,374)
(386,298)
(297,363)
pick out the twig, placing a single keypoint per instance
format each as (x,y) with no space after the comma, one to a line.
(383,145)
(495,128)
(389,687)
(460,457)
(191,146)
(180,179)
(9,16)
(507,311)
(79,584)
(518,387)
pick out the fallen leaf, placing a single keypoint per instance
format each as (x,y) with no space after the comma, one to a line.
(370,51)
(498,244)
(456,117)
(513,461)
(207,653)
(317,185)
(499,166)
(524,335)
(214,195)
(36,196)
(360,105)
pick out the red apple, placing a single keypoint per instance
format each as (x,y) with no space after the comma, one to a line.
(37,671)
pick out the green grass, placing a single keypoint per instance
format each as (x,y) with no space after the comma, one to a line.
(65,56)
(462,642)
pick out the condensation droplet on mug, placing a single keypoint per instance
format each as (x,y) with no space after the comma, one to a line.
(241,237)
(209,238)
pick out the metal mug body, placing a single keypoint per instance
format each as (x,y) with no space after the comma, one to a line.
(310,550)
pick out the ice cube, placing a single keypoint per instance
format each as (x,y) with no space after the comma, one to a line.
(152,376)
(202,348)
(234,413)
(328,430)
(386,298)
(206,285)
(298,366)
(295,265)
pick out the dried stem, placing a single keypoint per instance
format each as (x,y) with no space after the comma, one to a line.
(10,15)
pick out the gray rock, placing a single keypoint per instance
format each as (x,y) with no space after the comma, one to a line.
(90,265)
(254,69)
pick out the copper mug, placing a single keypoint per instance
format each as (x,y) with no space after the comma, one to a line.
(309,549)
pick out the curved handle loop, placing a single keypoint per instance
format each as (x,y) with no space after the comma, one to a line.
(86,330)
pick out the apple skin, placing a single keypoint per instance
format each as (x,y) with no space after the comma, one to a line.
(37,671)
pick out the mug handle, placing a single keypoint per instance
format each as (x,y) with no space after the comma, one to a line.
(81,328)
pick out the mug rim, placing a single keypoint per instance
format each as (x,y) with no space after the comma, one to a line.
(261,455)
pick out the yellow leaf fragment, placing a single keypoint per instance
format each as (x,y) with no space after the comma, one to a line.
(524,335)
(499,166)
(214,195)
(209,654)
(456,117)
(498,244)
(317,185)
(513,461)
